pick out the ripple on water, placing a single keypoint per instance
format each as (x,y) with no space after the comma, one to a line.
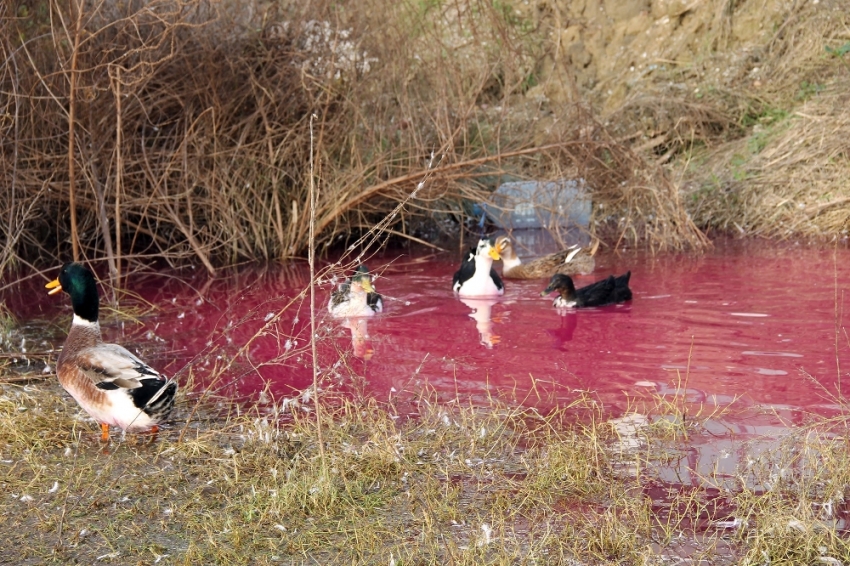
(711,320)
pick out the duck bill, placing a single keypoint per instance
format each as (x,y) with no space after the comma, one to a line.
(494,253)
(367,285)
(553,286)
(54,287)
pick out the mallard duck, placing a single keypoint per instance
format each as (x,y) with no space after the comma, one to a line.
(604,292)
(570,261)
(476,276)
(110,383)
(356,297)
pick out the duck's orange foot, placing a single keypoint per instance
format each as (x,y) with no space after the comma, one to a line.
(104,432)
(154,431)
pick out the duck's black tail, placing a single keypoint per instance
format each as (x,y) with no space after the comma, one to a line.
(155,397)
(622,291)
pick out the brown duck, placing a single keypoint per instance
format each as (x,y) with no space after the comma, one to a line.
(570,261)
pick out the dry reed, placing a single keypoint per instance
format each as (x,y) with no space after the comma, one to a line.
(754,132)
(190,128)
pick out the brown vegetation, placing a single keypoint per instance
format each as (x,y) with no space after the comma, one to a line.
(456,485)
(180,129)
(187,127)
(744,103)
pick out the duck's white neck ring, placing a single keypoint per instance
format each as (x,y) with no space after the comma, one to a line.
(80,321)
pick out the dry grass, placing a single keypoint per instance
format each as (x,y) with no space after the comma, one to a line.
(786,179)
(244,489)
(786,176)
(186,125)
(755,131)
(455,484)
(418,482)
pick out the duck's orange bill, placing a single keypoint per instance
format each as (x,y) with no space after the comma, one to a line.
(54,287)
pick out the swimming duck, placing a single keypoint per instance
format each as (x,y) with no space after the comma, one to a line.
(604,292)
(570,261)
(356,297)
(476,276)
(110,383)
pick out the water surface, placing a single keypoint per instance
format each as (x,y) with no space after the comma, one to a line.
(748,324)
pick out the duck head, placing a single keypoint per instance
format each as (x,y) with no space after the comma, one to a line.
(78,281)
(504,247)
(563,284)
(363,278)
(486,247)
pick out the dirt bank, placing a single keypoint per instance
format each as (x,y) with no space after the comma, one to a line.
(745,103)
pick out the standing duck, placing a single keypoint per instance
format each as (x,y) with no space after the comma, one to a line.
(476,276)
(570,261)
(605,292)
(110,383)
(356,297)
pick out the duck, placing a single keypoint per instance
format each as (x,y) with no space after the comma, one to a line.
(570,261)
(356,297)
(110,383)
(605,292)
(476,276)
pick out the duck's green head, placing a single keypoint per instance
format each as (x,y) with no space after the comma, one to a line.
(363,277)
(79,282)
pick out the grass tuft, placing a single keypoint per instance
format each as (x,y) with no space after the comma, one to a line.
(467,485)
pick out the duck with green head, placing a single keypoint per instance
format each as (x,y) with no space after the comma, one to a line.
(356,297)
(110,383)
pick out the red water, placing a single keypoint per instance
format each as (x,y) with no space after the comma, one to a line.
(748,324)
(749,337)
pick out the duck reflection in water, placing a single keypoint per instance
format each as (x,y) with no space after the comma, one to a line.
(361,343)
(564,333)
(481,312)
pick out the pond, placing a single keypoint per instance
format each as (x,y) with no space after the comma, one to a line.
(749,325)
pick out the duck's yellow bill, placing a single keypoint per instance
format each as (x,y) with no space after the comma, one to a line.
(494,253)
(54,287)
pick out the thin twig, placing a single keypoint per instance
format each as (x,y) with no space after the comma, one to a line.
(317,401)
(72,104)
